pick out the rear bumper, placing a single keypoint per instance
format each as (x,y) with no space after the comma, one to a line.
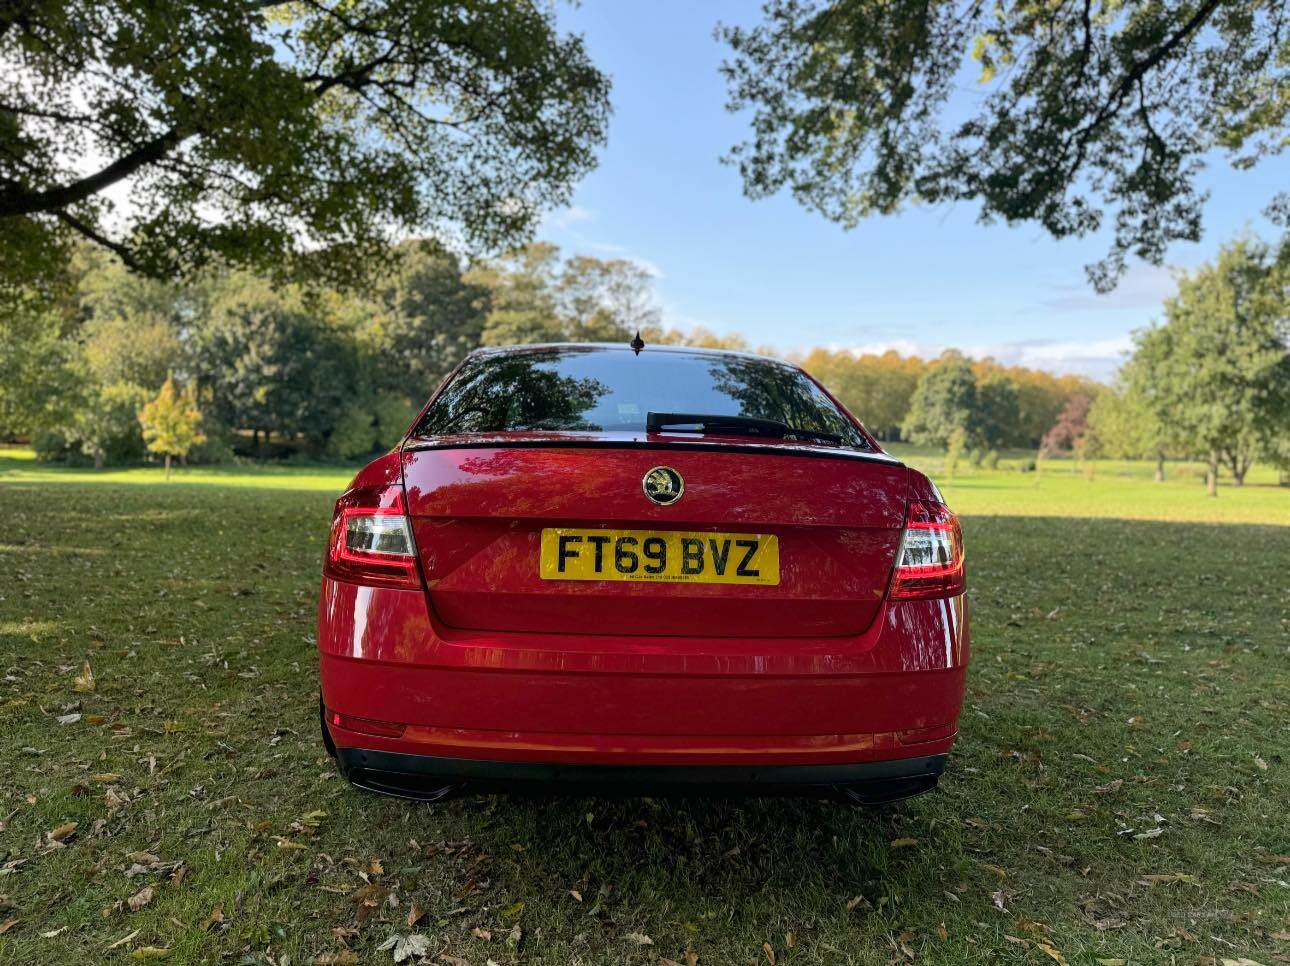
(552,701)
(423,777)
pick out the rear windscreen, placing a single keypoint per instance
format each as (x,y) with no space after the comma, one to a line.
(574,389)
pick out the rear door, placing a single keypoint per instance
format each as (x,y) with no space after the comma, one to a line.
(479,516)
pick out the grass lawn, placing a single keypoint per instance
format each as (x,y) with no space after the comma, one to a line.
(1120,791)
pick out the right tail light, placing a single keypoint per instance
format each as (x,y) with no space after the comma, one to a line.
(930,562)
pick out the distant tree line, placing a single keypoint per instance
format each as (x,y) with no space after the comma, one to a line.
(982,403)
(247,365)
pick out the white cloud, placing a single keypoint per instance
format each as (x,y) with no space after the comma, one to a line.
(1143,286)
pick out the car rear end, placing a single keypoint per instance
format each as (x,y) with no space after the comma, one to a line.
(546,583)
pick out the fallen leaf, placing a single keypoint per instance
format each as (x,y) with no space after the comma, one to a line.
(375,868)
(1263,765)
(770,953)
(7,925)
(341,957)
(124,939)
(215,918)
(453,960)
(576,894)
(62,833)
(66,719)
(53,932)
(140,899)
(903,843)
(405,947)
(515,936)
(415,915)
(1168,878)
(1053,953)
(84,682)
(640,939)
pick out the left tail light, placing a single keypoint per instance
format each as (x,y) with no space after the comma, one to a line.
(371,540)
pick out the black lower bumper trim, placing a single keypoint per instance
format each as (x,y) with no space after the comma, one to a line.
(432,779)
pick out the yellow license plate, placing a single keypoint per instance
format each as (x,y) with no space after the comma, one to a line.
(676,556)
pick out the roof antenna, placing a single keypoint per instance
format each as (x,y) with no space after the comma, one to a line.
(637,343)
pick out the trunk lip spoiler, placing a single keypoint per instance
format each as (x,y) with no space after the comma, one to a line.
(419,444)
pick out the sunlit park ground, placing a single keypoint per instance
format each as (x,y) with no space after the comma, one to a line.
(1119,792)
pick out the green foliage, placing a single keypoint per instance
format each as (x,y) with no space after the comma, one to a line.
(998,411)
(944,402)
(171,422)
(954,450)
(1088,117)
(1217,372)
(535,296)
(424,320)
(296,139)
(1121,426)
(106,427)
(271,362)
(39,383)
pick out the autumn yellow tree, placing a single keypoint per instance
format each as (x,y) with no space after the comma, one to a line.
(171,422)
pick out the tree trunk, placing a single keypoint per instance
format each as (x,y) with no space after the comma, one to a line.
(98,459)
(167,466)
(1211,475)
(1241,467)
(1160,467)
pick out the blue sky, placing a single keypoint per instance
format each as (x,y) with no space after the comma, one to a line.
(786,278)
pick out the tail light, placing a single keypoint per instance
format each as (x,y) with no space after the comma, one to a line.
(930,563)
(371,540)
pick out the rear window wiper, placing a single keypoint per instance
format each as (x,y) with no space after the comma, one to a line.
(738,425)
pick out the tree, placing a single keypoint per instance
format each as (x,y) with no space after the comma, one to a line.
(1067,433)
(1217,372)
(39,380)
(944,401)
(1087,113)
(106,425)
(425,319)
(288,137)
(1121,426)
(998,412)
(877,389)
(274,361)
(535,296)
(171,422)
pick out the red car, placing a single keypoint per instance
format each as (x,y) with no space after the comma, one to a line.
(656,568)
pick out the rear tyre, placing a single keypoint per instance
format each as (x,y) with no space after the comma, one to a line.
(326,735)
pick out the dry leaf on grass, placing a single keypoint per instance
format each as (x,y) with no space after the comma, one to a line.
(84,682)
(140,899)
(903,843)
(640,939)
(60,834)
(342,957)
(215,918)
(405,947)
(123,940)
(7,925)
(150,952)
(415,915)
